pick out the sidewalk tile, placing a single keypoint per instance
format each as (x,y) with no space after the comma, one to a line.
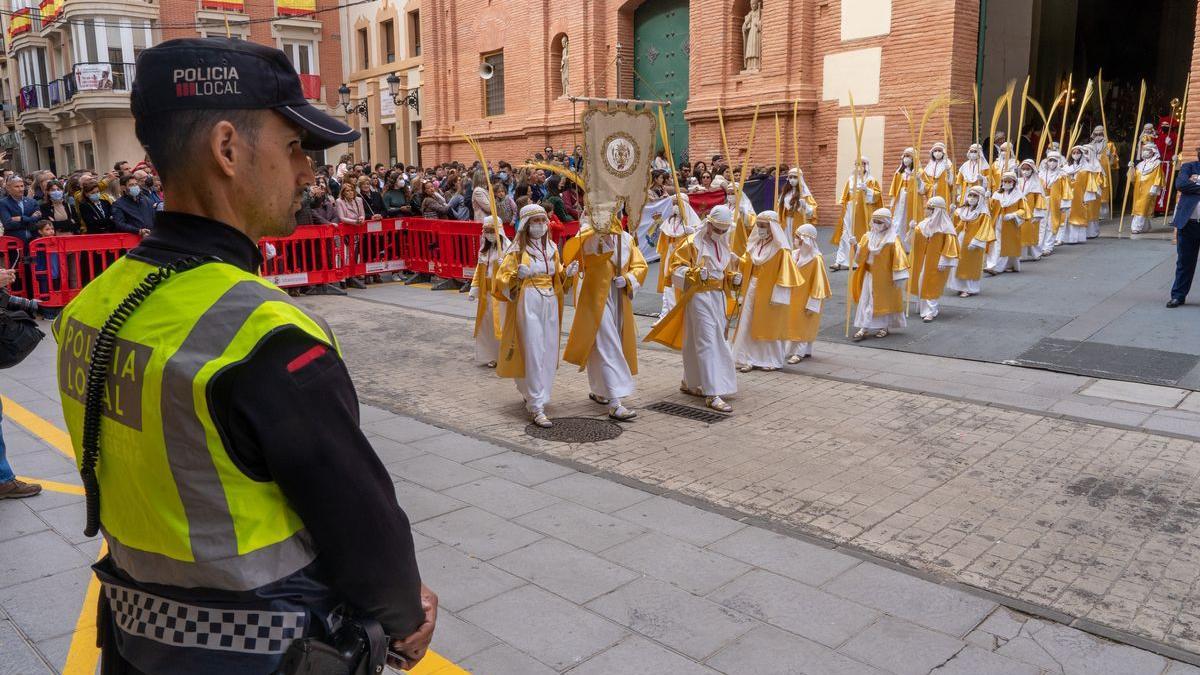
(795,607)
(690,568)
(682,621)
(458,448)
(477,532)
(1082,653)
(520,468)
(35,556)
(456,639)
(502,497)
(1134,392)
(804,562)
(403,429)
(638,656)
(578,525)
(544,626)
(595,493)
(460,580)
(902,647)
(929,604)
(680,520)
(68,521)
(976,661)
(565,570)
(47,607)
(435,473)
(421,503)
(56,649)
(766,650)
(18,657)
(391,451)
(18,520)
(1100,413)
(504,660)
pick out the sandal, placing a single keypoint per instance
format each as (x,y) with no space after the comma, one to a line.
(622,414)
(683,388)
(598,399)
(745,369)
(769,369)
(927,319)
(881,333)
(794,359)
(542,421)
(964,294)
(491,364)
(718,404)
(860,335)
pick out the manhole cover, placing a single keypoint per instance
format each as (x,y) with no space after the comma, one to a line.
(576,430)
(687,412)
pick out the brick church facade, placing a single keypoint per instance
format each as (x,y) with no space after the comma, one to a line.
(892,55)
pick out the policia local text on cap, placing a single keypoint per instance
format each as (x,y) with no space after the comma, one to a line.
(251,527)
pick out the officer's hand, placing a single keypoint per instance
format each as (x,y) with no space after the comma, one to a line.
(143,233)
(7,276)
(412,649)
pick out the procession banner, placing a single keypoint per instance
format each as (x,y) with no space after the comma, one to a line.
(93,77)
(702,202)
(619,144)
(760,191)
(654,214)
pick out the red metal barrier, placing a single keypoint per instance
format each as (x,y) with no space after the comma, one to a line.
(10,248)
(379,246)
(421,244)
(308,257)
(63,265)
(458,249)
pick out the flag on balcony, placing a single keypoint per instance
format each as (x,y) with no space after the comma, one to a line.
(51,9)
(224,5)
(294,7)
(19,22)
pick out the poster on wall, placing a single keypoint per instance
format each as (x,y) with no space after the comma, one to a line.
(387,106)
(93,76)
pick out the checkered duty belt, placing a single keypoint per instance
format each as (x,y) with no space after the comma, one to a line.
(178,624)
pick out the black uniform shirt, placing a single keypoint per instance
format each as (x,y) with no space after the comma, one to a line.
(290,414)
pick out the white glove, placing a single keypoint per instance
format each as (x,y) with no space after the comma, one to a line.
(1013,217)
(808,209)
(737,279)
(523,272)
(1155,190)
(473,294)
(573,269)
(920,188)
(704,275)
(620,282)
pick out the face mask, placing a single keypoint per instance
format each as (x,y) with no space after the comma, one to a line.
(503,175)
(1077,157)
(879,225)
(793,181)
(1007,186)
(908,161)
(95,196)
(972,155)
(973,200)
(537,229)
(1027,172)
(1147,154)
(135,191)
(56,195)
(1052,165)
(938,155)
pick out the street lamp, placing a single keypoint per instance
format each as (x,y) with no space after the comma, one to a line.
(344,99)
(408,97)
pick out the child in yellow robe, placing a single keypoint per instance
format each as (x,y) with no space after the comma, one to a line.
(763,329)
(1147,182)
(805,318)
(490,312)
(938,174)
(975,233)
(1008,213)
(1085,192)
(879,280)
(973,173)
(934,257)
(906,194)
(1056,185)
(859,195)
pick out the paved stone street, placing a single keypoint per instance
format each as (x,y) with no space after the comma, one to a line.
(542,568)
(1095,524)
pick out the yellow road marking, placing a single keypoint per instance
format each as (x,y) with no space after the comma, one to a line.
(43,429)
(83,655)
(54,486)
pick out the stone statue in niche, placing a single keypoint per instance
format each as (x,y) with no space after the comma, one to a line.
(752,36)
(564,68)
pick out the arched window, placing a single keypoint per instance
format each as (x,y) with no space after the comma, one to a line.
(560,47)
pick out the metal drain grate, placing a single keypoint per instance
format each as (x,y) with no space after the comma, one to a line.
(687,412)
(576,430)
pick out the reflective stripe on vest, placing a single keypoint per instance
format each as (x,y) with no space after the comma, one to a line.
(175,508)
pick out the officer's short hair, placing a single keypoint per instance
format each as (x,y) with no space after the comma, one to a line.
(170,138)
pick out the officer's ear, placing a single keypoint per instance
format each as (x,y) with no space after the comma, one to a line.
(222,145)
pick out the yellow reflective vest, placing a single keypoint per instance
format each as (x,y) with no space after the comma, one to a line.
(174,507)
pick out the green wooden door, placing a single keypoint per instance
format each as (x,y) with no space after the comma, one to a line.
(660,42)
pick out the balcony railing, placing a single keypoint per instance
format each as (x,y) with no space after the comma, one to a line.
(32,96)
(311,86)
(103,76)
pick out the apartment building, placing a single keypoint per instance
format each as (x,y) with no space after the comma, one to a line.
(68,65)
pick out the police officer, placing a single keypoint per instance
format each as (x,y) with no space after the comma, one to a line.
(243,507)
